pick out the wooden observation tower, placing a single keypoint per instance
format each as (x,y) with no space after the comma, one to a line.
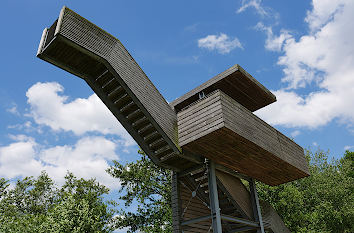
(209,137)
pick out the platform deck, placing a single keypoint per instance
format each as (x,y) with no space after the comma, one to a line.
(236,83)
(226,132)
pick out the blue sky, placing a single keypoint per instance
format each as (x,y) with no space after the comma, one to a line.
(302,51)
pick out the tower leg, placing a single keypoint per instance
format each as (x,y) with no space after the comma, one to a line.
(176,205)
(256,206)
(214,200)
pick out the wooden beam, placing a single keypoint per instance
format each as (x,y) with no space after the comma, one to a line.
(238,192)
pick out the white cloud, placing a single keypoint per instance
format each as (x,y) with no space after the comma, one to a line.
(123,230)
(348,147)
(273,43)
(221,43)
(49,107)
(191,27)
(295,133)
(86,159)
(256,4)
(20,137)
(323,58)
(13,110)
(323,12)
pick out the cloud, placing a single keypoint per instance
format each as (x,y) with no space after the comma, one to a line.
(191,27)
(49,107)
(323,12)
(273,43)
(295,133)
(323,62)
(86,159)
(348,147)
(221,43)
(256,4)
(123,230)
(13,110)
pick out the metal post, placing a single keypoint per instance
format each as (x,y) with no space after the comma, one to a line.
(255,204)
(176,205)
(214,199)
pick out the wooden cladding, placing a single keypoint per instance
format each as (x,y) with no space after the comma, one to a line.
(236,83)
(223,130)
(83,49)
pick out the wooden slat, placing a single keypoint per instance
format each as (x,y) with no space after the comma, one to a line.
(237,83)
(238,192)
(195,208)
(273,220)
(239,140)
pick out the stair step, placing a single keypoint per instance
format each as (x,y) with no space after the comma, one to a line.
(145,129)
(109,82)
(140,121)
(103,79)
(202,178)
(151,136)
(115,98)
(162,151)
(121,99)
(157,143)
(167,157)
(204,184)
(198,175)
(134,114)
(101,75)
(116,90)
(127,106)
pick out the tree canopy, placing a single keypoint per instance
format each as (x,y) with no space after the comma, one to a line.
(37,205)
(323,202)
(150,186)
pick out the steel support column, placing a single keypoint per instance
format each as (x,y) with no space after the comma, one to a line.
(214,199)
(256,206)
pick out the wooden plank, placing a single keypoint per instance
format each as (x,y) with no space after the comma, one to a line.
(237,83)
(212,121)
(191,208)
(273,220)
(199,105)
(241,141)
(238,192)
(212,109)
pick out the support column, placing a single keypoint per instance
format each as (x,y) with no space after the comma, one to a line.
(176,205)
(214,199)
(256,206)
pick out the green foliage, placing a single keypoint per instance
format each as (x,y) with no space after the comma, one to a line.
(323,202)
(148,185)
(36,205)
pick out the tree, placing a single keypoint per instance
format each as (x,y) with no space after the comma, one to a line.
(150,186)
(323,202)
(37,205)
